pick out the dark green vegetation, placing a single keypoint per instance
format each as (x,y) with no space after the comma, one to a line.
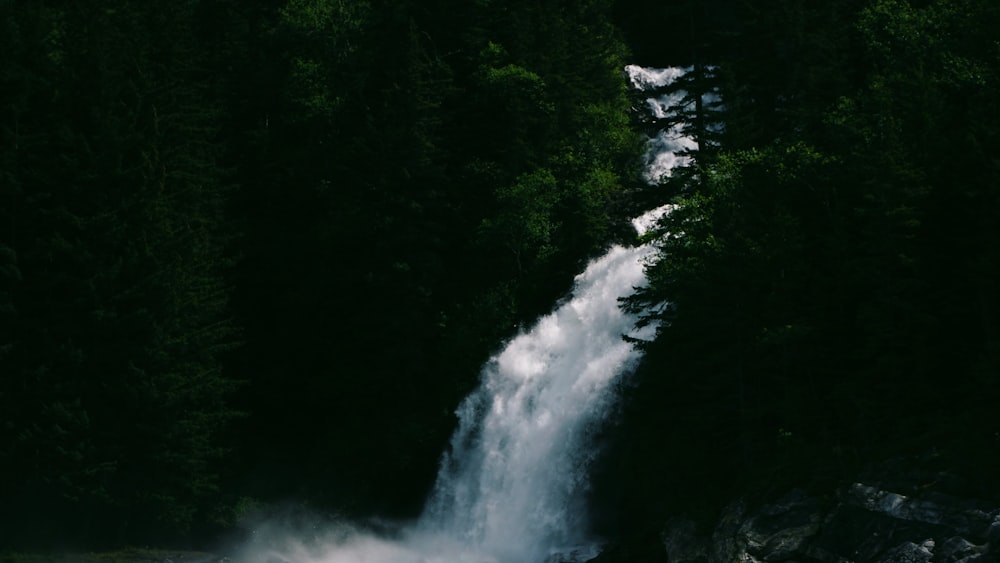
(253,251)
(112,289)
(834,294)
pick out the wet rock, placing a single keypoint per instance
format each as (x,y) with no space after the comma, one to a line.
(645,547)
(773,532)
(911,553)
(682,542)
(958,549)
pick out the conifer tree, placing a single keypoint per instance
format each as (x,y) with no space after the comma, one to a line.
(113,377)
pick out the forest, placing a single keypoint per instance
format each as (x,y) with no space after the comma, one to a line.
(254,252)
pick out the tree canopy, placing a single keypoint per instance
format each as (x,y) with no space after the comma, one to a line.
(831,272)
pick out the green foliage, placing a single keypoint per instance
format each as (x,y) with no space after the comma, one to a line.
(326,37)
(112,391)
(826,272)
(524,225)
(421,179)
(369,195)
(332,20)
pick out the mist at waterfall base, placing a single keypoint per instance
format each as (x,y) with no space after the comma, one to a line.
(513,485)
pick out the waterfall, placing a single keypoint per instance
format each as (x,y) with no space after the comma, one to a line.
(512,488)
(513,484)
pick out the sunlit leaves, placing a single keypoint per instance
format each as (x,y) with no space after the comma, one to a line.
(336,22)
(894,30)
(524,224)
(309,88)
(326,36)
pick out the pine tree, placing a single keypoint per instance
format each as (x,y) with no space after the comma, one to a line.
(120,322)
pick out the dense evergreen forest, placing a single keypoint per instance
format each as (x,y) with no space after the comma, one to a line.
(833,270)
(254,251)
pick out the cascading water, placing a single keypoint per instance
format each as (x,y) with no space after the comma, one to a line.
(512,488)
(512,485)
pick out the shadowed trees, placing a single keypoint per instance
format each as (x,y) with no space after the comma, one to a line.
(828,268)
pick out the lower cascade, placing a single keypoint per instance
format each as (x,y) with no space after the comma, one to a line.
(512,484)
(512,488)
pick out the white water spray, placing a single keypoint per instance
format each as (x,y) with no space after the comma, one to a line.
(515,480)
(513,486)
(672,146)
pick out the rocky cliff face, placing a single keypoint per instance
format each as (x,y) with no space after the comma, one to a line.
(895,514)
